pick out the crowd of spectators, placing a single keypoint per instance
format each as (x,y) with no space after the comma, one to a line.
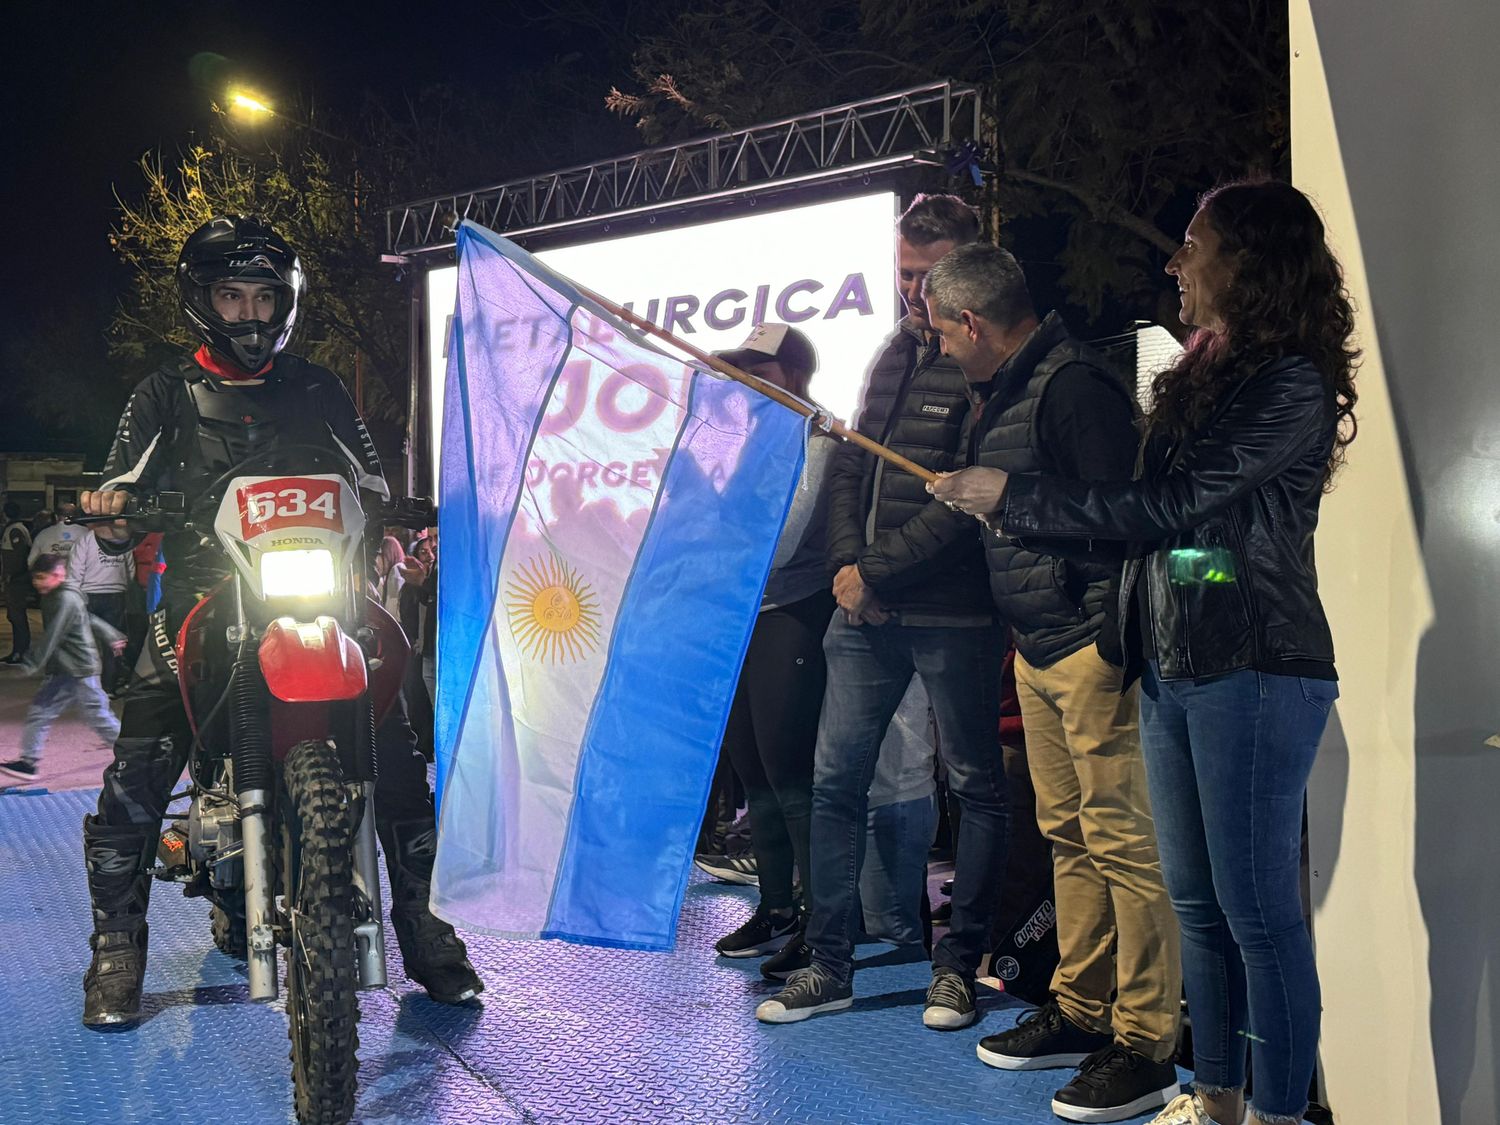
(1147,583)
(404,583)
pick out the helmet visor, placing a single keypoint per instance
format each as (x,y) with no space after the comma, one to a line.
(237,300)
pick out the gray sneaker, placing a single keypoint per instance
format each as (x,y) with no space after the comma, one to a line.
(809,992)
(950,1001)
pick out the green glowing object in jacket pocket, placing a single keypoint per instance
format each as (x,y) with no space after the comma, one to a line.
(1201,566)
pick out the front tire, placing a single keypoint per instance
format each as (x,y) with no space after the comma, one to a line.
(322,977)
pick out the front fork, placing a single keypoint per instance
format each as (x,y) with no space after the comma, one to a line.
(369,935)
(254,781)
(254,774)
(260,935)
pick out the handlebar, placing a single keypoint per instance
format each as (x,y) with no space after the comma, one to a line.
(168,511)
(159,511)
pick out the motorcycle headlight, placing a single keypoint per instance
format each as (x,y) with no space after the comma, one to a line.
(297,574)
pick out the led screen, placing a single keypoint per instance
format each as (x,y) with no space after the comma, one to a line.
(827,268)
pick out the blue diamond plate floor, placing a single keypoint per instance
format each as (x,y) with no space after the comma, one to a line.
(565,1034)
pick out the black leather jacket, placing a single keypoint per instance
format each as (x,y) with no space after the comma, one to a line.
(1248,487)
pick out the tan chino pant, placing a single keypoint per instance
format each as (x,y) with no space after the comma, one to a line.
(1120,970)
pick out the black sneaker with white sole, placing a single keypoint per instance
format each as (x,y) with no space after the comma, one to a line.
(1115,1084)
(795,954)
(1041,1040)
(20,767)
(810,992)
(950,1001)
(764,933)
(729,868)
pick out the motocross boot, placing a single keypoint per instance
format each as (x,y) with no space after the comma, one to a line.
(435,956)
(119,862)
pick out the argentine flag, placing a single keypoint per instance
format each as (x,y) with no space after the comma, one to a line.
(609,515)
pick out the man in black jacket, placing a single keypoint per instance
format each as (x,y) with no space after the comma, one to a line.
(15,548)
(1049,404)
(910,580)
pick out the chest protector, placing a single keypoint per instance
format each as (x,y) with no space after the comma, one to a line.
(221,423)
(279,420)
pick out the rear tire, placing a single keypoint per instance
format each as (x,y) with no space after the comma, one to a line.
(322,977)
(229,929)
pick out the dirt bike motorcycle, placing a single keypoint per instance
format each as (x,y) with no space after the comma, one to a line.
(286,668)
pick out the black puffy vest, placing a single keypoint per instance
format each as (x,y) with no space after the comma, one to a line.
(1054,606)
(916,402)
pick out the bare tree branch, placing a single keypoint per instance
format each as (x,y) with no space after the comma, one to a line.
(1100,208)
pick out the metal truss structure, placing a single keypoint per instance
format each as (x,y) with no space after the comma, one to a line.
(922,125)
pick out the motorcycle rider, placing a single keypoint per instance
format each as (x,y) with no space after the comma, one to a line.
(240,286)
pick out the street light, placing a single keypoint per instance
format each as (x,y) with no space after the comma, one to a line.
(248,104)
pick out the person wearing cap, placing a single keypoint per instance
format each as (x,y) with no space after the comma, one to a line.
(773,722)
(912,586)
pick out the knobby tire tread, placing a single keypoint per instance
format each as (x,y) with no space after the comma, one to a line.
(229,932)
(325,1079)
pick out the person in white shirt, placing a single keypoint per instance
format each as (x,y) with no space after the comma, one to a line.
(60,538)
(103,569)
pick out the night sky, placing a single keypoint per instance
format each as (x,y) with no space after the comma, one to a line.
(89,87)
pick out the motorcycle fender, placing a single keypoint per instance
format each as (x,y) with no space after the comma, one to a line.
(311,662)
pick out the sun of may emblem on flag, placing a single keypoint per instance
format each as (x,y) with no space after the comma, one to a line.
(554,615)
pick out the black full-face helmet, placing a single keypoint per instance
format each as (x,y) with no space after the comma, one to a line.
(233,248)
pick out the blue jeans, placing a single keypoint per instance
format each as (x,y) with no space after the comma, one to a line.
(869,668)
(53,698)
(1227,762)
(894,874)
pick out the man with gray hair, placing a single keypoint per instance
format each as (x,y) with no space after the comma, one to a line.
(1048,404)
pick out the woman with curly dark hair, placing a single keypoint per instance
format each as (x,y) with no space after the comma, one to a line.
(1244,436)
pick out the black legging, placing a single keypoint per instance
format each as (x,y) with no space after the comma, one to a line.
(16,592)
(772,732)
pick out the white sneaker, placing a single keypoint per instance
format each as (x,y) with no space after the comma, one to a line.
(1187,1109)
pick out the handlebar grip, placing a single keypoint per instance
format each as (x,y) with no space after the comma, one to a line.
(408,511)
(159,511)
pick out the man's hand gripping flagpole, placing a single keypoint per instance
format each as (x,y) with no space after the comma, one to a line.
(818,416)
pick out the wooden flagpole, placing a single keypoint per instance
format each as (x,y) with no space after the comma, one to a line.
(770,390)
